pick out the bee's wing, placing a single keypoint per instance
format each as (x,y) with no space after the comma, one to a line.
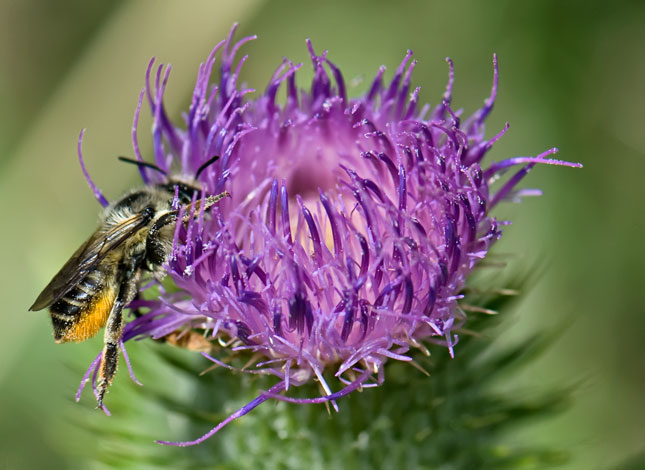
(86,258)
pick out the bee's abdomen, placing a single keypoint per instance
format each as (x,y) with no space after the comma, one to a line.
(82,311)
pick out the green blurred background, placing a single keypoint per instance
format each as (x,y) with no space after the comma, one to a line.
(572,76)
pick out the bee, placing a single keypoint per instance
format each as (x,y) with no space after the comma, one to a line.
(102,277)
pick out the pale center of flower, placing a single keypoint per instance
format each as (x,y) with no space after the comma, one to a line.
(307,177)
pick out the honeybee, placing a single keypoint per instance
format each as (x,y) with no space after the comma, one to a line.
(101,278)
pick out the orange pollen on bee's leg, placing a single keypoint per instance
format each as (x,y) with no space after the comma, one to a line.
(92,319)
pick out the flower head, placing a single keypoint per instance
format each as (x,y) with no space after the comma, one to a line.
(352,224)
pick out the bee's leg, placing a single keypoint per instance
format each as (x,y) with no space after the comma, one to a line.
(156,249)
(114,326)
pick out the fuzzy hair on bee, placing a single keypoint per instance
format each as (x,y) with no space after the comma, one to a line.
(102,277)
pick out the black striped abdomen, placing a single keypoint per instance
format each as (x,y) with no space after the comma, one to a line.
(83,310)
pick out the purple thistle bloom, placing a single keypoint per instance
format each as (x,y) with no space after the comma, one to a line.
(352,223)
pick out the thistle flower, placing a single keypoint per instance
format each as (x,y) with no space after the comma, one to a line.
(351,228)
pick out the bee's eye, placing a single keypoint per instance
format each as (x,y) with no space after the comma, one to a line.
(186,193)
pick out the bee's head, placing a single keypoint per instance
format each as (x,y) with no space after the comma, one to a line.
(187,188)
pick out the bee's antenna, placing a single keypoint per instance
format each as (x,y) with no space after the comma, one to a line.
(206,165)
(139,163)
